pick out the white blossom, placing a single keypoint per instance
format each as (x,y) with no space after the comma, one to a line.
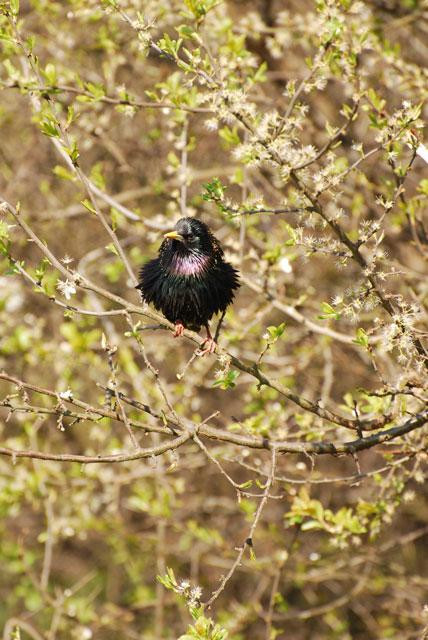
(284,265)
(67,288)
(66,395)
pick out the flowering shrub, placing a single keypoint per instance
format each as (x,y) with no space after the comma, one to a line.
(275,488)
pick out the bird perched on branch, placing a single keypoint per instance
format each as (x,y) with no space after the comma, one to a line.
(189,281)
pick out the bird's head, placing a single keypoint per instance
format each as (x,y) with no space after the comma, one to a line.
(192,235)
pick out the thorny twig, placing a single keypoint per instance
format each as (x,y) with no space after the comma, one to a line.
(110,351)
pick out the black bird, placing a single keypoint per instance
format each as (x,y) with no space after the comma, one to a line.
(189,281)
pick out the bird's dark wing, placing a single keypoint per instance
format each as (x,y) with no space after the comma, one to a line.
(221,283)
(150,277)
(218,252)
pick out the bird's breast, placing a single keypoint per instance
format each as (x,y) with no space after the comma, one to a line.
(192,264)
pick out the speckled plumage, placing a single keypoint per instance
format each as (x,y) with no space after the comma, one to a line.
(189,281)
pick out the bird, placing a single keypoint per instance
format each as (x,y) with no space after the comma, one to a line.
(189,281)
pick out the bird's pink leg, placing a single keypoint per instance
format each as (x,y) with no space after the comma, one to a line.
(179,330)
(209,345)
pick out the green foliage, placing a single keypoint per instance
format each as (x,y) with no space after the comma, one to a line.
(170,47)
(88,205)
(199,8)
(204,629)
(274,333)
(231,139)
(63,173)
(227,381)
(49,127)
(341,525)
(214,191)
(329,312)
(14,7)
(362,338)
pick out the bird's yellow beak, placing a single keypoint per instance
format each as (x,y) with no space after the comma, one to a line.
(174,235)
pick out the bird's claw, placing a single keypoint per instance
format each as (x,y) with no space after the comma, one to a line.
(179,330)
(208,346)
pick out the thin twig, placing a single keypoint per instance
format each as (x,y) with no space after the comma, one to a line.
(47,558)
(89,410)
(154,372)
(183,170)
(149,452)
(249,540)
(111,350)
(137,103)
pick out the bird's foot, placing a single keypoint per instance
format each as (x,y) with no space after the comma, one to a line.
(179,330)
(209,345)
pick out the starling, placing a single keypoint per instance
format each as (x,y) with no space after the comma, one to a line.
(189,281)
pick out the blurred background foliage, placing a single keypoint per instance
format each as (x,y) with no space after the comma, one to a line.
(142,111)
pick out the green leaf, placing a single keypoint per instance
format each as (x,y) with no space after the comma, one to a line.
(170,46)
(112,248)
(329,312)
(292,233)
(169,580)
(375,99)
(230,136)
(72,152)
(16,633)
(97,91)
(186,31)
(4,230)
(63,173)
(50,127)
(88,205)
(362,338)
(173,160)
(228,380)
(423,187)
(14,7)
(246,485)
(50,74)
(214,191)
(260,75)
(41,269)
(97,176)
(275,332)
(71,115)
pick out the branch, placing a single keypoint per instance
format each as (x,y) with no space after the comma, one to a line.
(121,457)
(250,212)
(323,447)
(137,103)
(249,540)
(97,411)
(320,448)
